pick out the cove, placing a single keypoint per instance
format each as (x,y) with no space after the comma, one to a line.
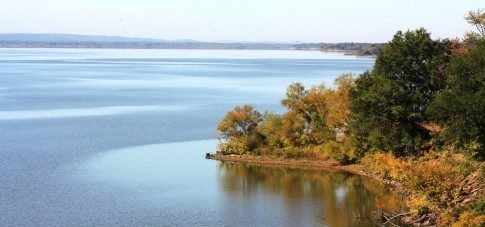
(173,183)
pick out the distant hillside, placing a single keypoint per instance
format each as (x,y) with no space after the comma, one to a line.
(87,41)
(24,37)
(359,49)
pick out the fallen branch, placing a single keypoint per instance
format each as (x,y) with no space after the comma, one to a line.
(389,219)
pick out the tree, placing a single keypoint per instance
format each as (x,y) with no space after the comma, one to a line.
(477,19)
(307,115)
(461,107)
(294,93)
(238,130)
(338,101)
(389,103)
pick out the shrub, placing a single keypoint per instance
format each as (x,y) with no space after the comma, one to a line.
(386,166)
(338,151)
(418,205)
(469,219)
(478,207)
(293,152)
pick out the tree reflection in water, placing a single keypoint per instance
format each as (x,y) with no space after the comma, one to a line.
(310,197)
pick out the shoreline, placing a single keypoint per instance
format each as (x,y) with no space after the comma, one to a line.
(405,217)
(319,164)
(345,52)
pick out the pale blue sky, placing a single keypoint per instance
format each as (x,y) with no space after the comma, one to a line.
(250,20)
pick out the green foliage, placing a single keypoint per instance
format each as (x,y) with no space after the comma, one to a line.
(358,49)
(389,103)
(478,207)
(477,19)
(461,107)
(373,49)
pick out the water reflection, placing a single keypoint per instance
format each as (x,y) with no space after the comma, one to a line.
(309,197)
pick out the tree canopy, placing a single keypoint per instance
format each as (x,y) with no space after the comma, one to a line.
(461,107)
(389,102)
(238,130)
(421,94)
(477,19)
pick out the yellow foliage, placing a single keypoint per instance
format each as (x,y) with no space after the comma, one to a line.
(291,129)
(238,130)
(338,101)
(417,204)
(436,180)
(469,219)
(318,114)
(434,177)
(242,120)
(387,166)
(446,219)
(431,174)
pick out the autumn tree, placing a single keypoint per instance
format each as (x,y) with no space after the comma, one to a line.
(238,130)
(337,101)
(272,130)
(308,109)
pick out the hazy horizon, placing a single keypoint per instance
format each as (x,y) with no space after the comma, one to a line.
(222,20)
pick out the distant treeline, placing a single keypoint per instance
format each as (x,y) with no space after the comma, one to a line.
(350,48)
(144,45)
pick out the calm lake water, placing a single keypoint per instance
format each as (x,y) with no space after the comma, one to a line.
(118,137)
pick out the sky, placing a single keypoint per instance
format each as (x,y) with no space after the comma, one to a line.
(239,20)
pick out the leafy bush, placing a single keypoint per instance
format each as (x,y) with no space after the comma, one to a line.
(479,207)
(337,151)
(436,179)
(293,152)
(386,166)
(419,205)
(469,219)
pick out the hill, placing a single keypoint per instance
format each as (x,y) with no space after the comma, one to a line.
(24,40)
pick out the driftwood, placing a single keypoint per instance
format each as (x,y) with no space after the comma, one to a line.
(386,218)
(391,218)
(420,219)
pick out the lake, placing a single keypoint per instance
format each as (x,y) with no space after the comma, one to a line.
(103,137)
